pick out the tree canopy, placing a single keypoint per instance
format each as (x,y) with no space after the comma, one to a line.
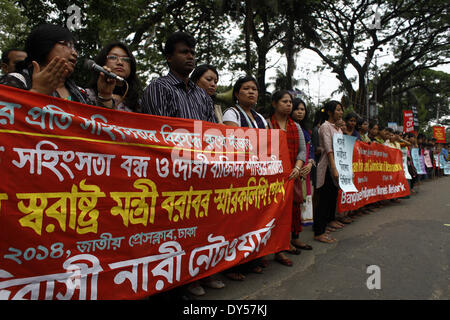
(238,36)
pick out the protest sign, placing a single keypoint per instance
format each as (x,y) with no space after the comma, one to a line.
(104,204)
(405,163)
(439,134)
(408,121)
(415,155)
(427,158)
(343,157)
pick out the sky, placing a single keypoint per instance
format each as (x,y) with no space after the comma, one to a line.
(318,86)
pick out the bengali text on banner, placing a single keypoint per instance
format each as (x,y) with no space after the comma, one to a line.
(103,204)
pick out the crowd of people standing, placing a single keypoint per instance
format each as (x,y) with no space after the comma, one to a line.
(47,63)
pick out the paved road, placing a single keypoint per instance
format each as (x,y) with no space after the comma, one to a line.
(408,241)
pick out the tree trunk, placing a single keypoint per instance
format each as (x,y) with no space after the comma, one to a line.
(290,53)
(247,35)
(261,77)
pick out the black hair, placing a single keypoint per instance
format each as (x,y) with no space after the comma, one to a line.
(390,130)
(350,115)
(359,122)
(295,104)
(318,118)
(420,136)
(373,123)
(237,86)
(178,37)
(200,70)
(330,106)
(134,85)
(277,96)
(5,54)
(41,41)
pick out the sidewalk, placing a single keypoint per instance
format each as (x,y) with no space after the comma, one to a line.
(358,242)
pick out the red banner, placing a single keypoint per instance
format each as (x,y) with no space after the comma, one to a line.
(378,174)
(408,121)
(439,134)
(103,204)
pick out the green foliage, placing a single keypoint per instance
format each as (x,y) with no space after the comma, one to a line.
(13,26)
(238,36)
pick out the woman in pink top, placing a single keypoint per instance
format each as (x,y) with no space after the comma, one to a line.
(326,193)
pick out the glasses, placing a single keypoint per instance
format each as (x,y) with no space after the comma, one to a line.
(115,58)
(68,44)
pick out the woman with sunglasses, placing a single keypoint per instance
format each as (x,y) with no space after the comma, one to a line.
(50,63)
(117,58)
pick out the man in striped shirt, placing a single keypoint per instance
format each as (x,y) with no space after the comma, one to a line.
(175,95)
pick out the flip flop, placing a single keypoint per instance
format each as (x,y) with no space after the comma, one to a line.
(235,276)
(294,251)
(256,269)
(325,239)
(284,261)
(263,263)
(303,247)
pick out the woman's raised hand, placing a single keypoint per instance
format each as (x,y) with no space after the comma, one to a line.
(51,77)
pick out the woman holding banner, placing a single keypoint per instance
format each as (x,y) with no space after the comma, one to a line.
(50,63)
(280,119)
(351,120)
(362,126)
(206,77)
(300,115)
(326,194)
(245,97)
(373,130)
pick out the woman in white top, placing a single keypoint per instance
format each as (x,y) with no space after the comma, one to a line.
(245,96)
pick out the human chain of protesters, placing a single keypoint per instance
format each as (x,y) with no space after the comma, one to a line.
(309,170)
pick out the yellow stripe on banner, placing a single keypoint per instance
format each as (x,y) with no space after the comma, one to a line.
(113,142)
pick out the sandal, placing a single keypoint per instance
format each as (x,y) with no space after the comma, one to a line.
(196,289)
(263,263)
(302,246)
(345,220)
(283,260)
(256,269)
(325,238)
(236,276)
(336,225)
(331,229)
(212,283)
(294,251)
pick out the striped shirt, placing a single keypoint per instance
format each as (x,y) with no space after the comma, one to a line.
(168,96)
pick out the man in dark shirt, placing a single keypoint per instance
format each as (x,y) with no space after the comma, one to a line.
(9,59)
(175,95)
